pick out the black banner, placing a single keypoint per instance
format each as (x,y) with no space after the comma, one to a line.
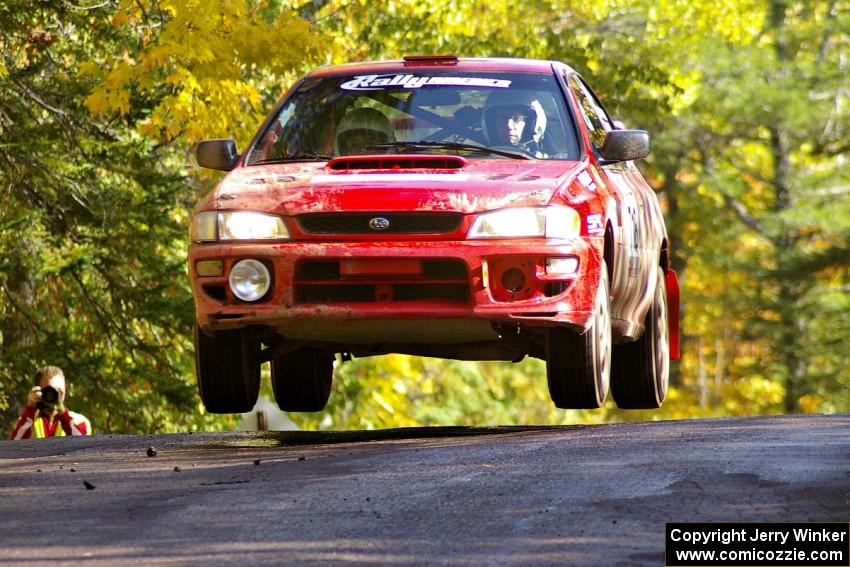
(804,544)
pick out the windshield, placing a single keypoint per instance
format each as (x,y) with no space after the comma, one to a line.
(422,111)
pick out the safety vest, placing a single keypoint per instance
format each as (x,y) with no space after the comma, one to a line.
(38,431)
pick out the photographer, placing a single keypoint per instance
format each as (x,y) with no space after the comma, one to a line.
(45,414)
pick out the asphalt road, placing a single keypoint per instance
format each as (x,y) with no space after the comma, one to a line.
(596,495)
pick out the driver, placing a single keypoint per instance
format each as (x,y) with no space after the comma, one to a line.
(518,124)
(361,128)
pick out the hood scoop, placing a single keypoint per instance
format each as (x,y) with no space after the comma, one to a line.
(397,163)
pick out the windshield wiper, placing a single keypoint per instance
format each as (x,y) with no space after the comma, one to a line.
(295,157)
(448,146)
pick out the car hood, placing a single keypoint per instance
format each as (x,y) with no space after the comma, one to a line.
(480,185)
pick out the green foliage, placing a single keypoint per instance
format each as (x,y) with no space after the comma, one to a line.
(399,390)
(760,146)
(95,207)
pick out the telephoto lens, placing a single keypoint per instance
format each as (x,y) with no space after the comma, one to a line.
(49,395)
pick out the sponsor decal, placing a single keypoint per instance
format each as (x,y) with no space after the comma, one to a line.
(379,82)
(594,224)
(585,179)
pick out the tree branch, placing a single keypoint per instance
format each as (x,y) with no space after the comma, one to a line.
(92,7)
(309,9)
(831,191)
(830,17)
(838,255)
(36,325)
(24,89)
(744,215)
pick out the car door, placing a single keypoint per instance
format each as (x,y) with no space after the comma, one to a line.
(627,282)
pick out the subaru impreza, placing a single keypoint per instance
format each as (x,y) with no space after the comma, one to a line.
(475,209)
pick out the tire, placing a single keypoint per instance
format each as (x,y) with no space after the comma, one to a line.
(641,370)
(228,370)
(578,367)
(302,380)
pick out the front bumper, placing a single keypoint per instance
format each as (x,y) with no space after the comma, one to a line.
(462,283)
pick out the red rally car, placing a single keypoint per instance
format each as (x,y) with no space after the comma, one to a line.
(477,209)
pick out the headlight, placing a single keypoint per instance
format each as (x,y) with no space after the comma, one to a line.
(562,222)
(203,227)
(237,225)
(249,280)
(526,222)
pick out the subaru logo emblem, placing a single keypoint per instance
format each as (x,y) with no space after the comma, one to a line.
(379,223)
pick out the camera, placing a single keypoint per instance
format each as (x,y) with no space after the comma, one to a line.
(49,397)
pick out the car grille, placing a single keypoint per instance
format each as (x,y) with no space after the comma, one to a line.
(398,223)
(320,281)
(455,293)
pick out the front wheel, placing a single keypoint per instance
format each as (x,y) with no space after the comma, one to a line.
(641,370)
(578,367)
(302,379)
(228,370)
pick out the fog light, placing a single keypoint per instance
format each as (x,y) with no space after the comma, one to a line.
(562,266)
(513,279)
(249,280)
(209,268)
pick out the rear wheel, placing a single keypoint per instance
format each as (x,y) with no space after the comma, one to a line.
(641,369)
(228,370)
(578,367)
(302,379)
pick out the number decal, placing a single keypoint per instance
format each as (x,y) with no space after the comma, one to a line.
(594,224)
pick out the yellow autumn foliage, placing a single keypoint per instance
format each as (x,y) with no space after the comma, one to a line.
(206,64)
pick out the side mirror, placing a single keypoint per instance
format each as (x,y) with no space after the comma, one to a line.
(625,145)
(217,154)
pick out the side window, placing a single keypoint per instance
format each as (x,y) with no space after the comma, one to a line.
(594,115)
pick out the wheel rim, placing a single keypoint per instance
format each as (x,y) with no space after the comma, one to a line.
(602,328)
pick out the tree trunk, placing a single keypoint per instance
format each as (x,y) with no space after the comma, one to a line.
(790,339)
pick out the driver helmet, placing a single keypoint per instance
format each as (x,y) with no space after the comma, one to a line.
(361,128)
(512,118)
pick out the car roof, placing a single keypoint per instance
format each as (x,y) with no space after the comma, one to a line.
(437,63)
